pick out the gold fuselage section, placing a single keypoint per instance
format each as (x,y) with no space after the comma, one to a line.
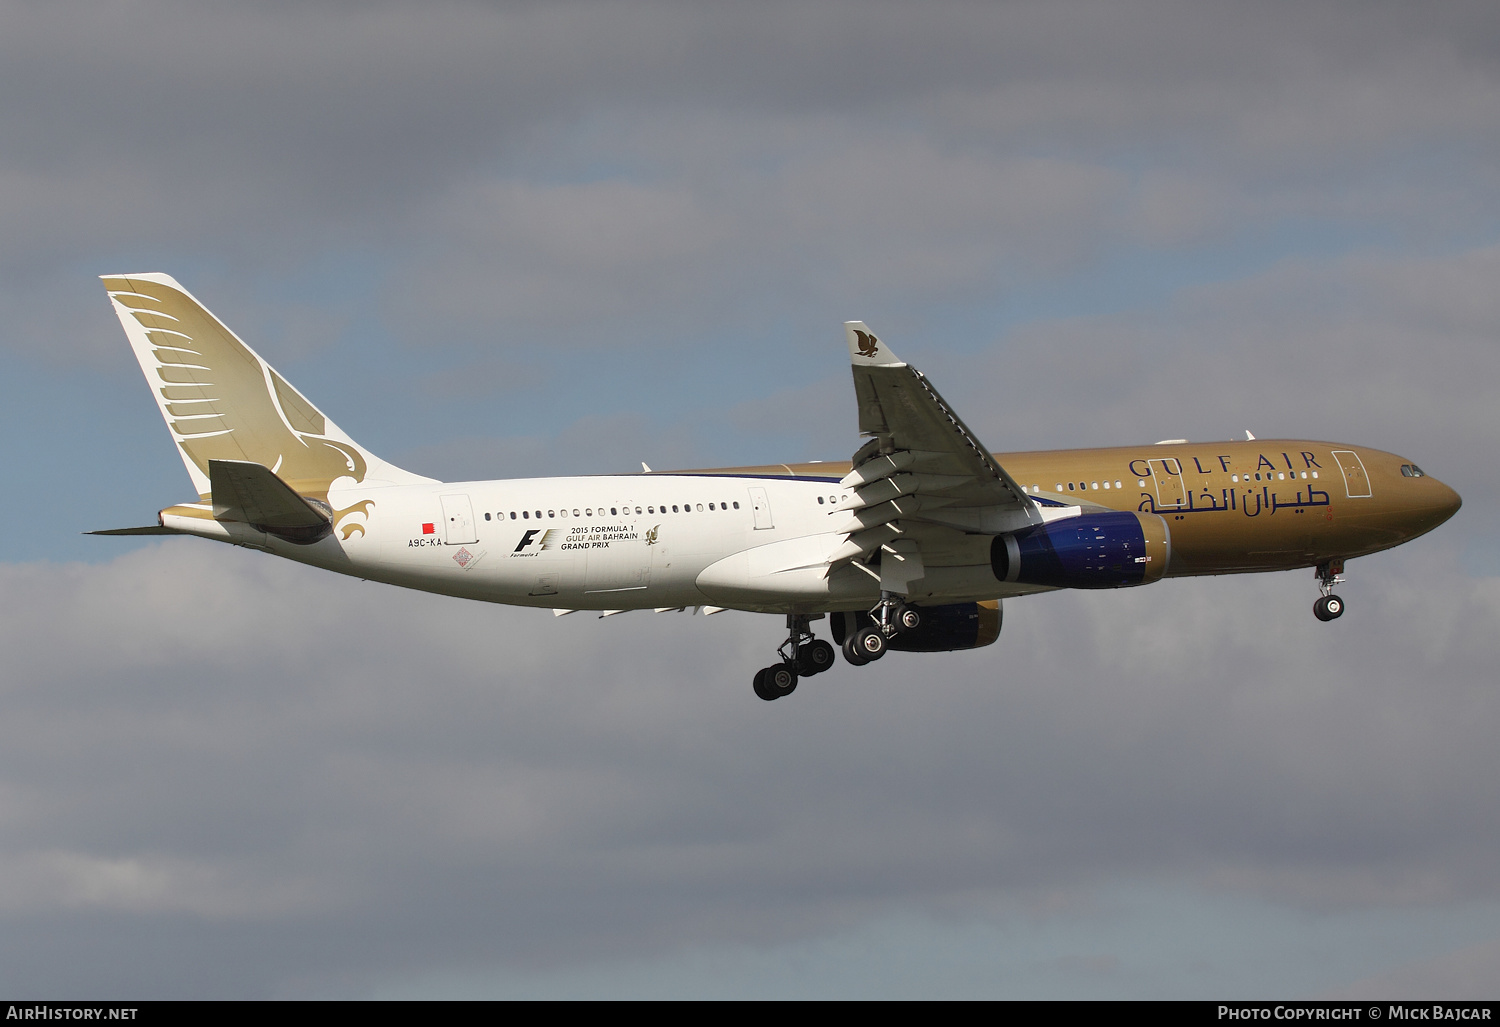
(1233,507)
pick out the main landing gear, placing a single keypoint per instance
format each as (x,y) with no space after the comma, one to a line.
(802,656)
(1329,606)
(888,619)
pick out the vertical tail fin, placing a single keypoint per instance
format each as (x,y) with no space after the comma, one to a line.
(221,401)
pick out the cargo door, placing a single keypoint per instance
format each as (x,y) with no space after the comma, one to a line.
(458,521)
(1167,475)
(761,507)
(1356,481)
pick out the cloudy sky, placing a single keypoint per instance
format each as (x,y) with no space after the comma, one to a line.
(499,240)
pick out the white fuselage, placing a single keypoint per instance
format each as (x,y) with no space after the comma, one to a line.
(609,543)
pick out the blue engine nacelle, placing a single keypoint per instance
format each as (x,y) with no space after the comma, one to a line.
(942,628)
(1096,549)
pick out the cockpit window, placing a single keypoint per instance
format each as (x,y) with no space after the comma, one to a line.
(1412,471)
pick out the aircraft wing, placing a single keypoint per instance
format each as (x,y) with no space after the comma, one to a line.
(922,465)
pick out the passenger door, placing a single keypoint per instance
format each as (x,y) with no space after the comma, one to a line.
(1356,481)
(760,506)
(458,521)
(1167,474)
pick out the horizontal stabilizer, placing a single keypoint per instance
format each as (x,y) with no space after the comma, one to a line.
(150,529)
(249,492)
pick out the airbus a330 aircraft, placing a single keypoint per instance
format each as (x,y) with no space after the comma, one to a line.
(911,546)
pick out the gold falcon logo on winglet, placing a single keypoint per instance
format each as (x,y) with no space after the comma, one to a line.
(868,344)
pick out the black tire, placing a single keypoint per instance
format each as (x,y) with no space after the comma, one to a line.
(814,658)
(870,643)
(1328,608)
(781,678)
(853,655)
(908,618)
(761,688)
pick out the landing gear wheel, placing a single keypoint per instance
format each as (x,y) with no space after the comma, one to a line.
(760,687)
(814,658)
(869,643)
(907,618)
(774,682)
(781,679)
(1329,607)
(852,653)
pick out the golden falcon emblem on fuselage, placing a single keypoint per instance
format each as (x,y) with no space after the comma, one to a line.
(868,344)
(651,535)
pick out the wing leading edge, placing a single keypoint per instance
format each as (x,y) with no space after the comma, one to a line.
(922,474)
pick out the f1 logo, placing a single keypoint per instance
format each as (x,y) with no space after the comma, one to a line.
(531,533)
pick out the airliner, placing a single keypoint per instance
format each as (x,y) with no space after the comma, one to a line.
(912,545)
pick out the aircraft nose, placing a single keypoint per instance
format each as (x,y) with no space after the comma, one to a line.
(1429,503)
(1424,504)
(1446,502)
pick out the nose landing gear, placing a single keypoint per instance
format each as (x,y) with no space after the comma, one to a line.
(1329,606)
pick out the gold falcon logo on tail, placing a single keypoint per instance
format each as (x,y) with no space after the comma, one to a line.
(223,402)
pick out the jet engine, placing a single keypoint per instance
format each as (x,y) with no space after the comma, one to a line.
(1096,549)
(941,629)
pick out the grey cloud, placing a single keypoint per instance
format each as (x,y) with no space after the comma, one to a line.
(1378,349)
(222,775)
(842,150)
(594,261)
(244,751)
(1467,974)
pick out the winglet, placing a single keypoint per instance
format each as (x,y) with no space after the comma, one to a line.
(865,350)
